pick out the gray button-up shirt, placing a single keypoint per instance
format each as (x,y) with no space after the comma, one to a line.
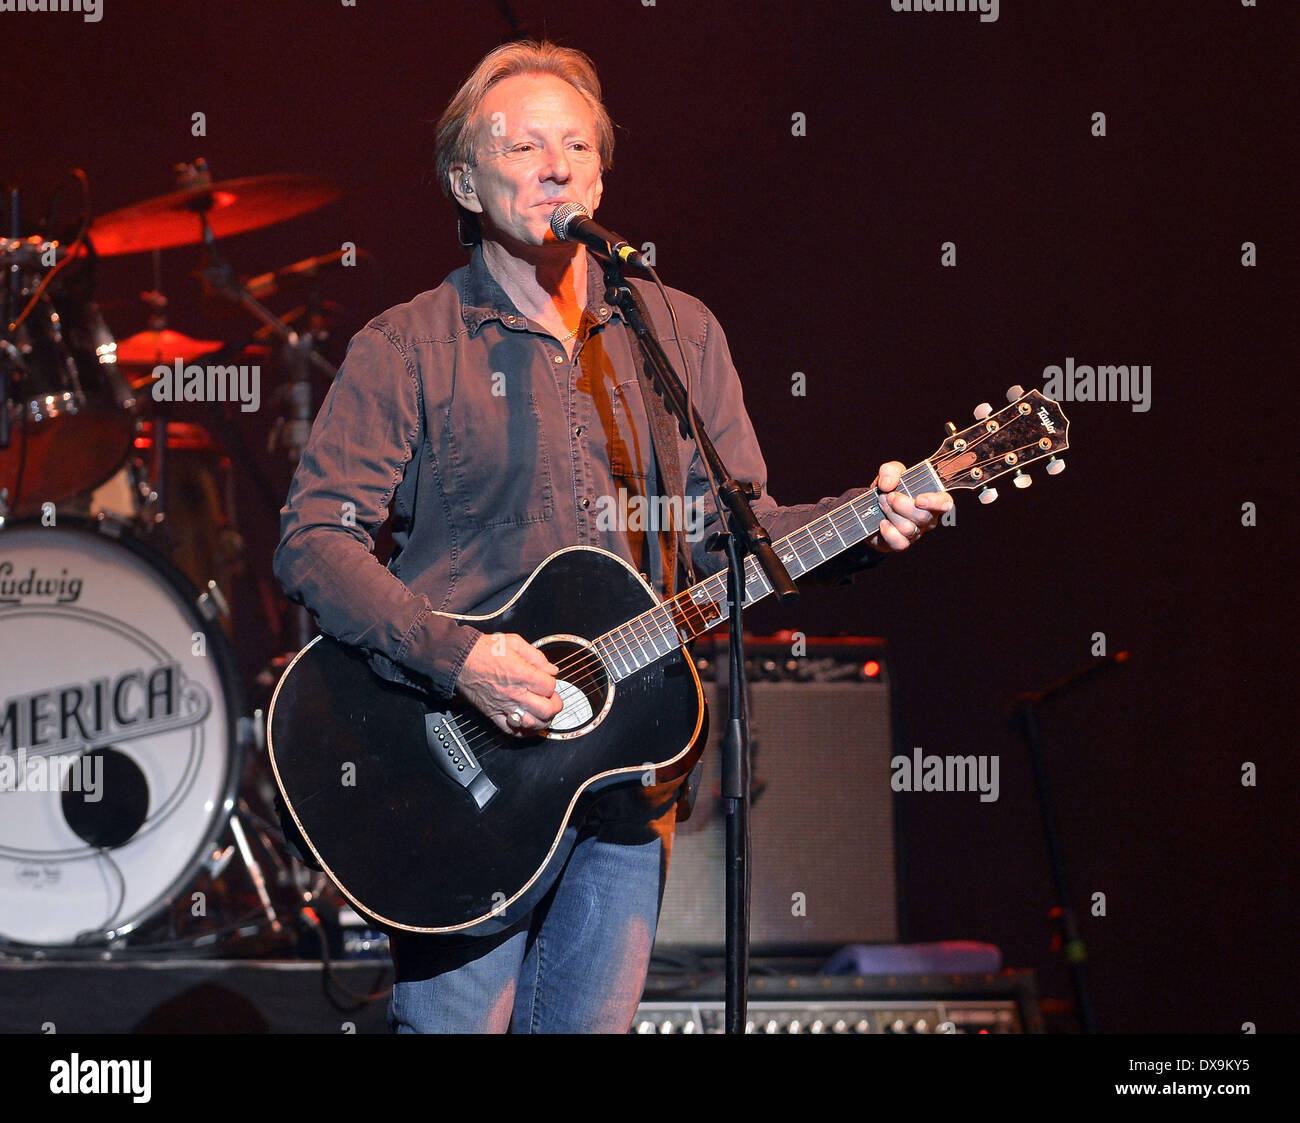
(491,449)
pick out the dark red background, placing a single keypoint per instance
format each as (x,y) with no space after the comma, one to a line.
(821,254)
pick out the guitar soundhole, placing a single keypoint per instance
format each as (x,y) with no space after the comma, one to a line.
(582,684)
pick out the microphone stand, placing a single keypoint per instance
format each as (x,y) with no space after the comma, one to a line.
(1024,717)
(743,535)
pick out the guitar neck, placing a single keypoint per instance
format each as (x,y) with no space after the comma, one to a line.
(694,611)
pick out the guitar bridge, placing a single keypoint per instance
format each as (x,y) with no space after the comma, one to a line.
(452,754)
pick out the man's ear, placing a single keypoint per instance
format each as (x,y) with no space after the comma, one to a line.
(457,175)
(600,188)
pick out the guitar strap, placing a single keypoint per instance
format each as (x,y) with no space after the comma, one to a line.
(671,544)
(668,471)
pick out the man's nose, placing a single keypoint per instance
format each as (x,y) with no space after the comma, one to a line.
(557,165)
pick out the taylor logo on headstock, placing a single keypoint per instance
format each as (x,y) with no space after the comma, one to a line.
(1028,429)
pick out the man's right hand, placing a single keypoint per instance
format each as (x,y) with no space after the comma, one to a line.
(511,682)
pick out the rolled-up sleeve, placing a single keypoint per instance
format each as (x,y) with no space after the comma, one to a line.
(361,443)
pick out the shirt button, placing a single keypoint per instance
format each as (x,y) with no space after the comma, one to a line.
(510,319)
(559,358)
(586,503)
(579,430)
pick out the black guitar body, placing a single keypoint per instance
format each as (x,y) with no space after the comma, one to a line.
(431,820)
(377,776)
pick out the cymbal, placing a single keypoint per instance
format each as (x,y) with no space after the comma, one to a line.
(140,353)
(164,346)
(233,206)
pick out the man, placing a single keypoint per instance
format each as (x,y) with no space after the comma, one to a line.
(489,417)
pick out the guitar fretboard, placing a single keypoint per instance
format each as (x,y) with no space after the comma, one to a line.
(666,627)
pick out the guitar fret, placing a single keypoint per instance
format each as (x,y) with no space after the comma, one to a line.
(858,515)
(697,609)
(816,540)
(645,650)
(618,651)
(692,627)
(660,635)
(636,643)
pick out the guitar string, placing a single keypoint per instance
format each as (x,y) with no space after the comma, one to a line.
(638,633)
(679,606)
(638,630)
(683,603)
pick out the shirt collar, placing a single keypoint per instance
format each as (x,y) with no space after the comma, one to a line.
(482,298)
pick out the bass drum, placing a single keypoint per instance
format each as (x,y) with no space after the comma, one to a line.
(119,748)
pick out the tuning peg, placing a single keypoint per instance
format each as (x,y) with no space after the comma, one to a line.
(950,428)
(982,411)
(988,494)
(1015,393)
(1020,479)
(1055,467)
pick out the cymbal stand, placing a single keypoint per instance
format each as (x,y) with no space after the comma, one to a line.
(300,355)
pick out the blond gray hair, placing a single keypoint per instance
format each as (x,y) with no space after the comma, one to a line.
(456,126)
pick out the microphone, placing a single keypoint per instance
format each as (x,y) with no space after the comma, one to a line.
(571,222)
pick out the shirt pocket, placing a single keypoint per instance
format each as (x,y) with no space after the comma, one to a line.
(631,451)
(498,458)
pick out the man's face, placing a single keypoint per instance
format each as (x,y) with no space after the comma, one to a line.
(536,148)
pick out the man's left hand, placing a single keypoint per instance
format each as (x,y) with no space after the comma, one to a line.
(906,519)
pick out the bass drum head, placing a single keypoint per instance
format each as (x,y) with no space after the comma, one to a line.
(119,749)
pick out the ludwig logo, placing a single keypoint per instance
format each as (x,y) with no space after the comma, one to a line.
(33,588)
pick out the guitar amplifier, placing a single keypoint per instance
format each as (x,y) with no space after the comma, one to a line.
(823,823)
(1006,1002)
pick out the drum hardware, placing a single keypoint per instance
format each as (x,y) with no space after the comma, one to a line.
(90,383)
(199,530)
(163,724)
(212,603)
(144,706)
(69,410)
(199,533)
(137,355)
(255,871)
(299,354)
(226,208)
(35,250)
(268,284)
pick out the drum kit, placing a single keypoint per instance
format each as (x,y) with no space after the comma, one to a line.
(130,774)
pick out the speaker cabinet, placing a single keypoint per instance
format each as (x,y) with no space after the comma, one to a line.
(823,832)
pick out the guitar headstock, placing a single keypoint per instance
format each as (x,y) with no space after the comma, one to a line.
(1031,428)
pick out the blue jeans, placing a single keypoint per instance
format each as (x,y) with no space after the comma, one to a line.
(576,964)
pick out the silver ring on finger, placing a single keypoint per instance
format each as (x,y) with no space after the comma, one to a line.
(516,719)
(916,533)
